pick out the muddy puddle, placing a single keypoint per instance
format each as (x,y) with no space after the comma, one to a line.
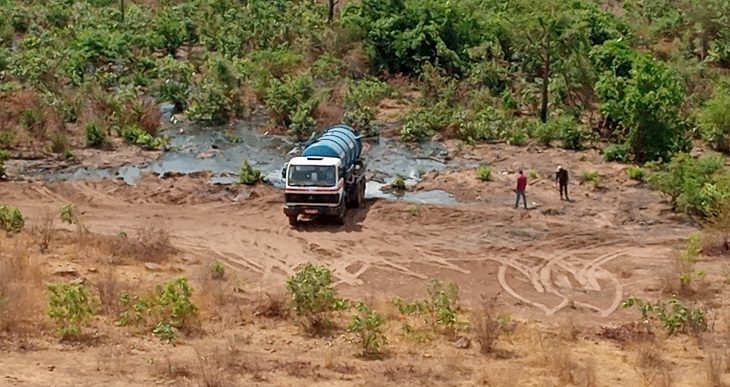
(221,153)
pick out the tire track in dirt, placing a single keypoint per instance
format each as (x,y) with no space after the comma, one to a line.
(546,266)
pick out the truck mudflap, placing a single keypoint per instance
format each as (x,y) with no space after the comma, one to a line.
(293,212)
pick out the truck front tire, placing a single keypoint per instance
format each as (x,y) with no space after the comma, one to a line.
(293,220)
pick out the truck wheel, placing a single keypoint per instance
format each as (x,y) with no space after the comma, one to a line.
(360,194)
(293,220)
(340,219)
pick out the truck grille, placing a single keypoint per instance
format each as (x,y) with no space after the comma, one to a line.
(312,198)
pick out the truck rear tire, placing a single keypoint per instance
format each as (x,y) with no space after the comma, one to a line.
(293,221)
(361,194)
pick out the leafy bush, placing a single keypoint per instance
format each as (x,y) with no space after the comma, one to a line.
(4,156)
(422,123)
(714,121)
(484,173)
(440,310)
(68,214)
(69,306)
(313,297)
(136,136)
(617,152)
(11,219)
(399,183)
(218,95)
(368,325)
(248,175)
(290,100)
(674,315)
(593,177)
(636,173)
(693,185)
(174,83)
(403,35)
(360,102)
(572,135)
(95,135)
(487,124)
(217,270)
(644,98)
(167,307)
(685,264)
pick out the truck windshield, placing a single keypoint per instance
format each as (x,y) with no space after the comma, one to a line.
(311,176)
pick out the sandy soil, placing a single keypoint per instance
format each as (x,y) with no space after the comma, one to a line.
(556,262)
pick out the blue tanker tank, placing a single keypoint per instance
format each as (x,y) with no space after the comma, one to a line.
(339,141)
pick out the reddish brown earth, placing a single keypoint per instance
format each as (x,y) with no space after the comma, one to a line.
(557,263)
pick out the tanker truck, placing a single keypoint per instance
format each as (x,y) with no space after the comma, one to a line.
(327,179)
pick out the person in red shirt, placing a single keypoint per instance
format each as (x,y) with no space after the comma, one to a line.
(521,186)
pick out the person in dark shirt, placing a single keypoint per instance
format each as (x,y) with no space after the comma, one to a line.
(521,186)
(561,178)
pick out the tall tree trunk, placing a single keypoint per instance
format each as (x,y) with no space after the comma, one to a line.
(121,8)
(331,10)
(544,95)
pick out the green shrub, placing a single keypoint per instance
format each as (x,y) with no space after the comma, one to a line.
(532,174)
(545,133)
(360,102)
(95,135)
(313,297)
(68,214)
(593,177)
(674,315)
(218,95)
(484,173)
(290,97)
(4,156)
(440,310)
(136,136)
(368,325)
(217,270)
(11,219)
(685,264)
(714,120)
(422,123)
(248,175)
(636,173)
(167,308)
(399,183)
(572,136)
(693,185)
(175,78)
(69,306)
(487,124)
(617,152)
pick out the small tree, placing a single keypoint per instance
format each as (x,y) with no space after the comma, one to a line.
(11,219)
(313,297)
(248,175)
(368,324)
(69,306)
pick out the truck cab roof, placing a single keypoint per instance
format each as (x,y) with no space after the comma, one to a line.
(321,161)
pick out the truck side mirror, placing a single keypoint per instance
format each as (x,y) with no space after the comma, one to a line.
(283,172)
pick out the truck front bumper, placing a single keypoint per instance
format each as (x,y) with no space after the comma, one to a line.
(311,211)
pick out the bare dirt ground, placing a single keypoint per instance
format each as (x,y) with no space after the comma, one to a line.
(559,264)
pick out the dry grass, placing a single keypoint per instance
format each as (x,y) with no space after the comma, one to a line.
(211,369)
(43,232)
(152,244)
(21,290)
(487,327)
(108,289)
(651,367)
(272,305)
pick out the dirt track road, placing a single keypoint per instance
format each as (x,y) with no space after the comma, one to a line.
(545,259)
